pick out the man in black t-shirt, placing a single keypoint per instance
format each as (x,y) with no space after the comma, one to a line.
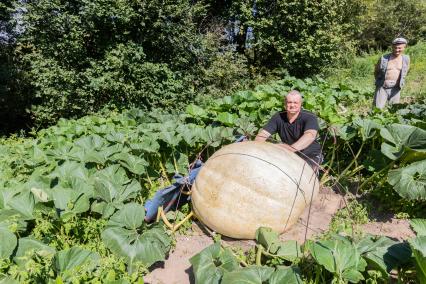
(297,129)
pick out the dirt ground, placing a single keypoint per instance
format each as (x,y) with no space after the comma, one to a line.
(177,269)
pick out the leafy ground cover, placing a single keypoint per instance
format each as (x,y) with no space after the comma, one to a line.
(70,198)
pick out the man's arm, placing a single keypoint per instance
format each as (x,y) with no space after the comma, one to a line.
(304,141)
(307,138)
(262,135)
(376,68)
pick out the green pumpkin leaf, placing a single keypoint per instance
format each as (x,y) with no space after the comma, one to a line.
(211,263)
(418,246)
(8,243)
(336,256)
(196,111)
(288,275)
(410,181)
(227,118)
(399,137)
(248,275)
(149,247)
(133,163)
(131,216)
(75,258)
(29,247)
(367,128)
(419,226)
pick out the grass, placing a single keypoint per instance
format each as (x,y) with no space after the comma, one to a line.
(360,74)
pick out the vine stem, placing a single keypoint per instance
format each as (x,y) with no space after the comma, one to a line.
(352,162)
(376,174)
(259,255)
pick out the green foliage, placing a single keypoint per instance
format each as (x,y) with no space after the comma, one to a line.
(335,260)
(386,20)
(93,54)
(418,246)
(80,183)
(126,237)
(339,257)
(348,220)
(300,36)
(211,263)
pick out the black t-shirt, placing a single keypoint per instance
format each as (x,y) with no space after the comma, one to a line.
(291,132)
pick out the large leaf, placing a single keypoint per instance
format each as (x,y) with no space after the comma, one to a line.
(170,137)
(400,137)
(248,275)
(419,226)
(227,118)
(70,169)
(23,203)
(212,135)
(410,181)
(289,250)
(8,243)
(28,247)
(211,263)
(383,253)
(70,202)
(337,256)
(131,216)
(39,186)
(75,259)
(418,246)
(110,182)
(149,247)
(90,142)
(123,237)
(367,128)
(288,275)
(133,163)
(196,111)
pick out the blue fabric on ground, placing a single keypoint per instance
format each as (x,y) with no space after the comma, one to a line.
(167,197)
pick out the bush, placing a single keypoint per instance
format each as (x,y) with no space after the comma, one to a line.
(122,78)
(386,20)
(300,36)
(80,56)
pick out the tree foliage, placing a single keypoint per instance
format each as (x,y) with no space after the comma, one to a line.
(12,106)
(384,20)
(300,36)
(70,58)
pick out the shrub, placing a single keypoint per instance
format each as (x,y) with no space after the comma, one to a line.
(386,20)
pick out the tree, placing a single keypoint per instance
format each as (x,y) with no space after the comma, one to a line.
(300,36)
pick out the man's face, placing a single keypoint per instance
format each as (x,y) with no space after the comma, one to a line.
(293,104)
(398,49)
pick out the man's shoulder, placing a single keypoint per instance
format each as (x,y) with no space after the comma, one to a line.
(406,57)
(308,114)
(387,56)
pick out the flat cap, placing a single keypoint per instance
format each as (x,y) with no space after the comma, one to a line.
(399,40)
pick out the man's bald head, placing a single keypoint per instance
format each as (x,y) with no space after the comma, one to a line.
(293,102)
(294,94)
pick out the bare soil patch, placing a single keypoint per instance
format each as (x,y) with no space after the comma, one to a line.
(314,221)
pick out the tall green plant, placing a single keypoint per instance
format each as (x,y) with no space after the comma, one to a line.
(300,36)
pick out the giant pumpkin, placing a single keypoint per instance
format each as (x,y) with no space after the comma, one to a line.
(247,185)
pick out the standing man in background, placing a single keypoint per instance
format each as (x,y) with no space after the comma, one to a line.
(390,73)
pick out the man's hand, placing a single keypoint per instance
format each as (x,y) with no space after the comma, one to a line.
(262,135)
